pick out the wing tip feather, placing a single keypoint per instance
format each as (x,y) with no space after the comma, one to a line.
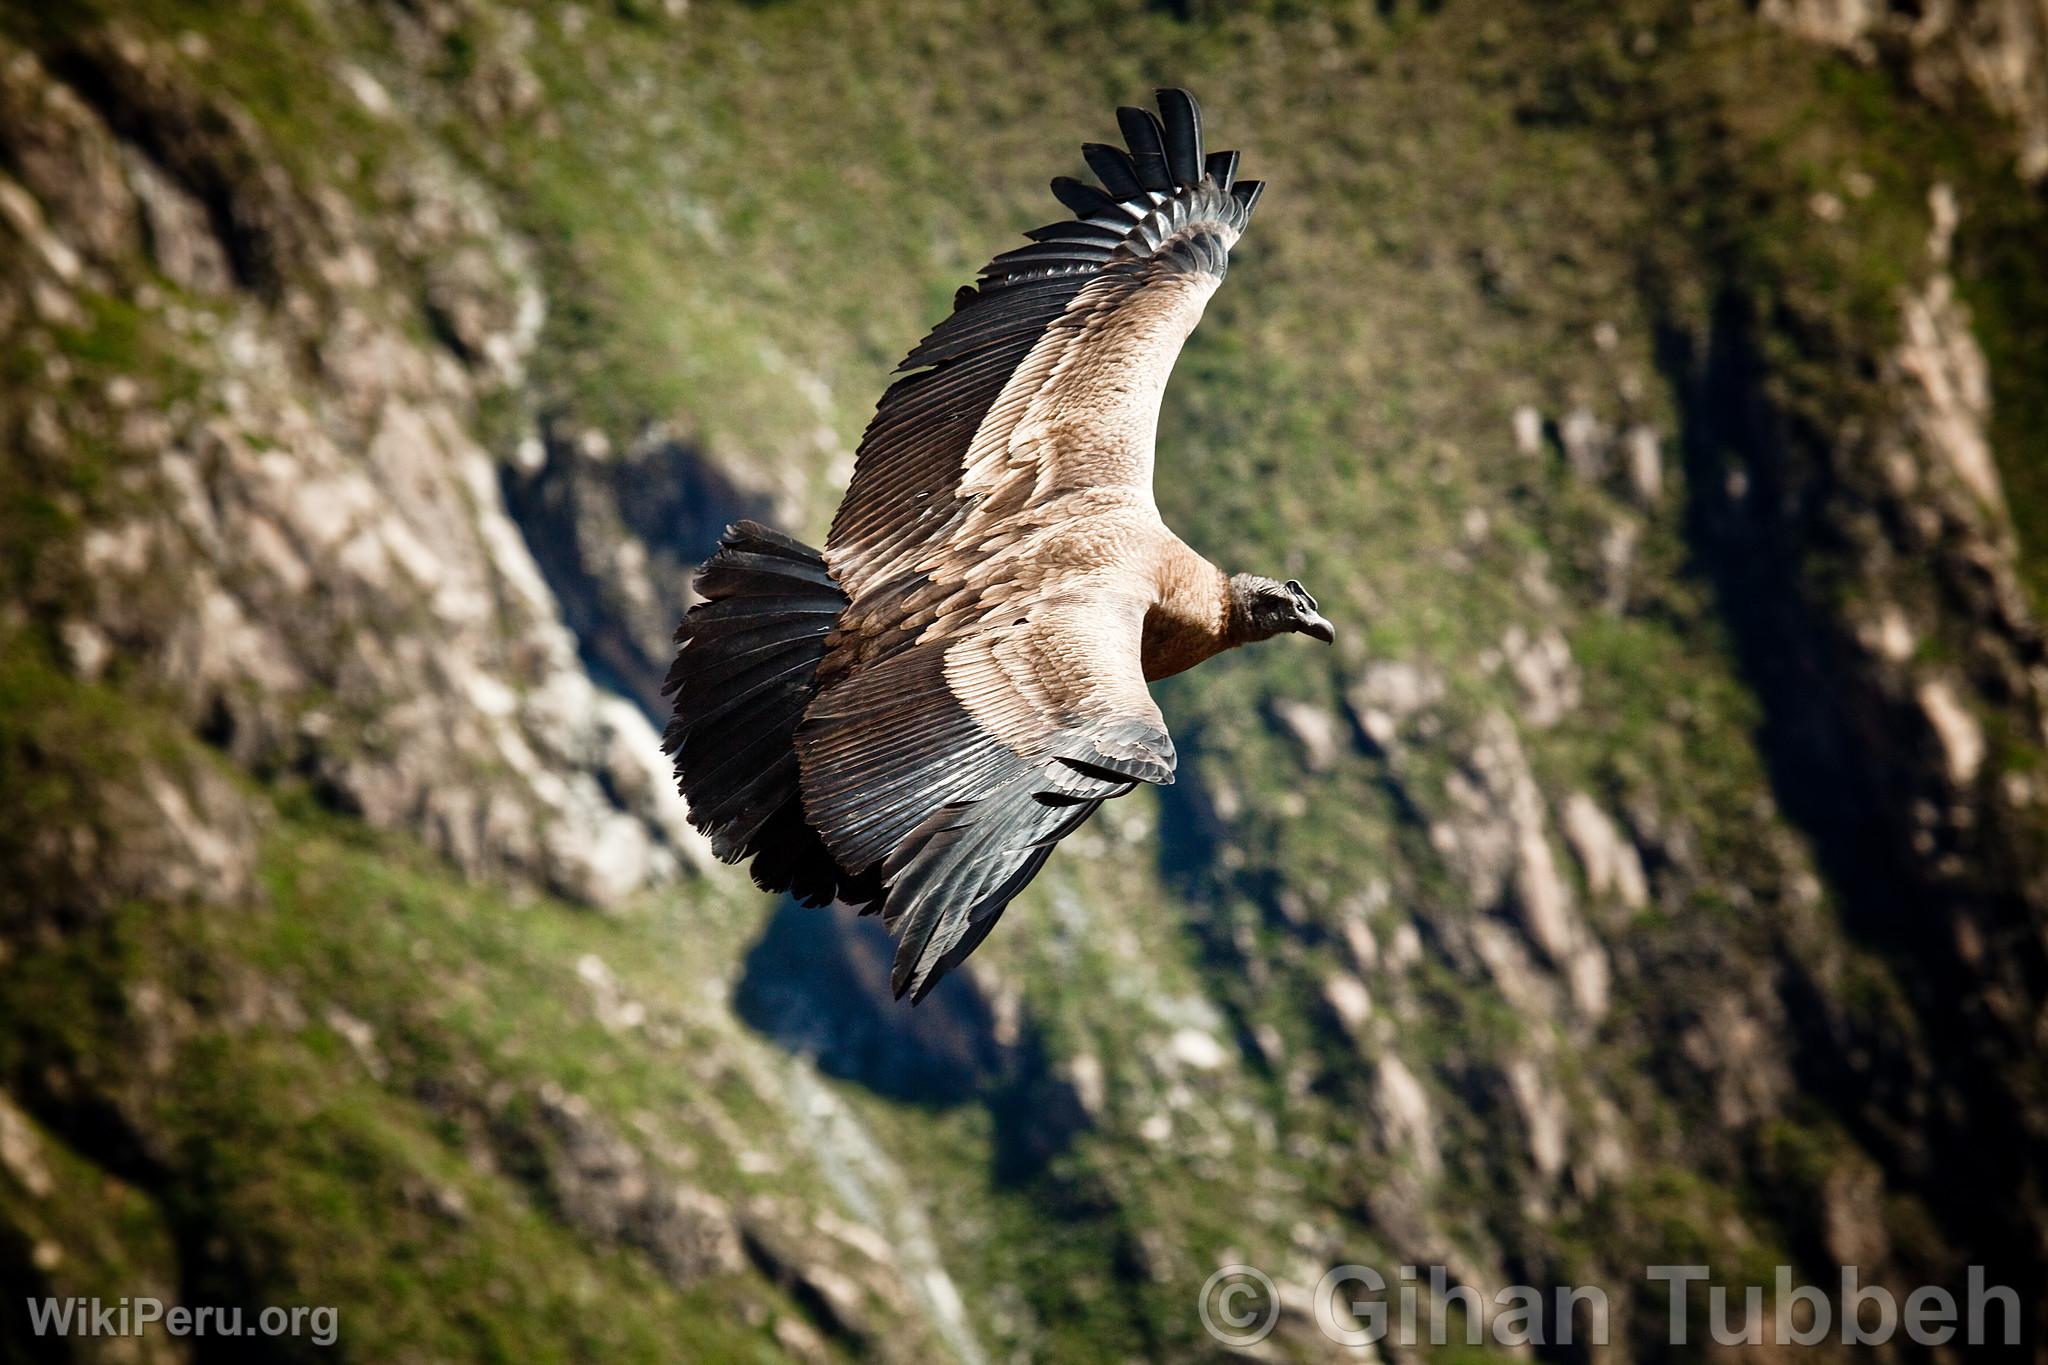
(1183,133)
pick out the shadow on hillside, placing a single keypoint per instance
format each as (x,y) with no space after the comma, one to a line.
(817,983)
(619,536)
(1848,765)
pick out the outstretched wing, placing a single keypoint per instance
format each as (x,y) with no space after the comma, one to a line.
(1049,372)
(954,765)
(985,692)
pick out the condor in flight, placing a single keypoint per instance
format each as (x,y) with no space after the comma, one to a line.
(911,720)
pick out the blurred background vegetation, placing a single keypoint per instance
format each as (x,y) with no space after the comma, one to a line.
(1655,393)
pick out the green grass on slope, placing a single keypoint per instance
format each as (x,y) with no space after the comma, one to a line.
(301,1164)
(743,217)
(2005,284)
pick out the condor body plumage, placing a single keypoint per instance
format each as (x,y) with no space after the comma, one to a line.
(909,720)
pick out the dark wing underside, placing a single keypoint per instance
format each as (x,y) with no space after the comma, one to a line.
(903,775)
(978,705)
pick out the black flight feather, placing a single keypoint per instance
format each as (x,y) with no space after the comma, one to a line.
(1147,141)
(1183,135)
(1222,168)
(1083,198)
(1112,166)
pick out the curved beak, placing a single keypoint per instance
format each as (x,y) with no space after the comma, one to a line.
(1316,628)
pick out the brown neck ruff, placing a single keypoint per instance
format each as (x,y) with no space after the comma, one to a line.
(1191,620)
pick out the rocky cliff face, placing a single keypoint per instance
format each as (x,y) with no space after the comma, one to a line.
(307,547)
(1655,873)
(1996,53)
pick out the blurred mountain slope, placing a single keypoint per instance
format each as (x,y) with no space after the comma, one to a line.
(1653,873)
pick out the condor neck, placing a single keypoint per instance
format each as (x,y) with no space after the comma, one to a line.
(1191,621)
